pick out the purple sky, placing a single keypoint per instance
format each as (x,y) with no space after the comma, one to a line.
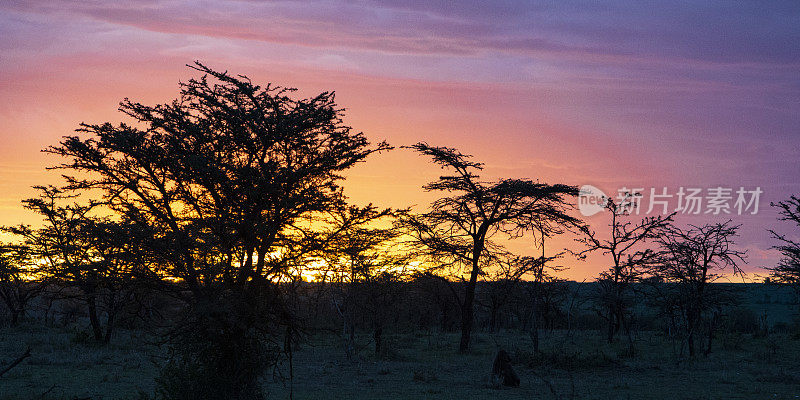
(636,94)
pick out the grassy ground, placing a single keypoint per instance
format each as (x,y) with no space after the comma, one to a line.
(581,367)
(66,365)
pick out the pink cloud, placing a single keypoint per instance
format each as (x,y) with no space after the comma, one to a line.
(559,94)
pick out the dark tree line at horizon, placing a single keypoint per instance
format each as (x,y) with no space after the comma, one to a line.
(224,197)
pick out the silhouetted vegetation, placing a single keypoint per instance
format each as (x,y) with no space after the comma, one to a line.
(693,258)
(209,247)
(456,234)
(788,270)
(630,260)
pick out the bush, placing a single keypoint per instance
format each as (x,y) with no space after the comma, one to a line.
(743,320)
(419,375)
(81,336)
(221,352)
(389,351)
(732,341)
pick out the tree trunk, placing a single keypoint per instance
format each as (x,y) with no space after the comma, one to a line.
(535,331)
(109,326)
(377,335)
(691,324)
(535,316)
(466,319)
(96,328)
(493,318)
(628,333)
(467,309)
(111,316)
(711,325)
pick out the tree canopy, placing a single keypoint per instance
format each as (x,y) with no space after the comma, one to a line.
(226,173)
(456,232)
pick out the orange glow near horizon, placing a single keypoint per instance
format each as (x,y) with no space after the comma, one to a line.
(531,93)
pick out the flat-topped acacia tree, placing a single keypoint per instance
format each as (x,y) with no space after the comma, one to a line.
(230,176)
(455,234)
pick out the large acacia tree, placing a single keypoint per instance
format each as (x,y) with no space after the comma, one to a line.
(456,233)
(229,176)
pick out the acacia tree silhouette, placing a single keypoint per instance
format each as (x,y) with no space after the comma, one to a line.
(456,233)
(17,289)
(629,260)
(225,176)
(365,265)
(69,252)
(788,269)
(693,258)
(101,259)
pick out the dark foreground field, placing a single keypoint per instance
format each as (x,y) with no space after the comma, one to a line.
(66,365)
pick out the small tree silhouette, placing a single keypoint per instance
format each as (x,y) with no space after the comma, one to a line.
(93,255)
(788,269)
(629,260)
(693,258)
(21,279)
(365,265)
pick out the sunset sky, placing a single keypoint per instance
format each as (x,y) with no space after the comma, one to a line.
(630,94)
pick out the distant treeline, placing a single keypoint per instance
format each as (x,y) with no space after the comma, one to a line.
(430,304)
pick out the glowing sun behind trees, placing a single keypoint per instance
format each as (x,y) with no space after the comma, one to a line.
(230,178)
